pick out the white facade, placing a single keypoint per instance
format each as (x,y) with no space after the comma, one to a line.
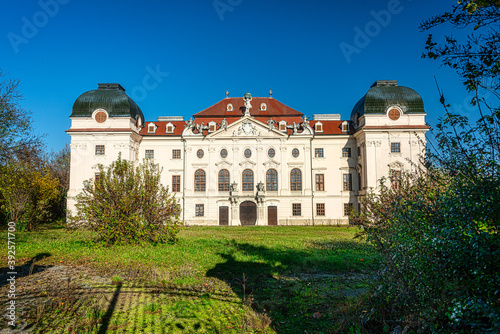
(307,173)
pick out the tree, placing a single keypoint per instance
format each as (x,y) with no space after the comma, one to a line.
(15,123)
(59,164)
(128,204)
(438,232)
(28,194)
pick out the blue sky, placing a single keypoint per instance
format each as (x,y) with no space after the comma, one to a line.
(179,57)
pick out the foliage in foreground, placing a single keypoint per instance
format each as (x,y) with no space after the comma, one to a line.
(27,194)
(439,239)
(128,204)
(438,232)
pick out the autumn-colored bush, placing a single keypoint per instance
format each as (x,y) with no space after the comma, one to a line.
(128,204)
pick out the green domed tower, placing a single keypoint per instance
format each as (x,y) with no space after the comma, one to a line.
(105,122)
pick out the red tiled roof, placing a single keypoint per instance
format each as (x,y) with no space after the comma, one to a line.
(274,108)
(161,128)
(331,127)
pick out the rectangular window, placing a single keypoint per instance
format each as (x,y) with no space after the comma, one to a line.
(318,153)
(359,182)
(359,151)
(347,208)
(212,128)
(99,150)
(320,209)
(347,181)
(320,182)
(97,177)
(395,147)
(282,126)
(150,154)
(200,210)
(395,179)
(176,183)
(176,154)
(346,152)
(297,209)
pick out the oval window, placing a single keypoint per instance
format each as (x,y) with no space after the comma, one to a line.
(223,153)
(248,153)
(271,153)
(200,153)
(295,152)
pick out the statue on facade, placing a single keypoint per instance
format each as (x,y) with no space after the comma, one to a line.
(306,126)
(189,124)
(247,98)
(223,124)
(261,187)
(270,124)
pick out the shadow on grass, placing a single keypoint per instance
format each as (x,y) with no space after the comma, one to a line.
(26,269)
(298,290)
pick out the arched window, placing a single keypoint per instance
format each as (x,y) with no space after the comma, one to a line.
(296,180)
(247,180)
(224,180)
(200,180)
(272,180)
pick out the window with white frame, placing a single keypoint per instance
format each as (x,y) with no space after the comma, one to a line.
(151,128)
(200,210)
(170,128)
(296,209)
(100,150)
(395,147)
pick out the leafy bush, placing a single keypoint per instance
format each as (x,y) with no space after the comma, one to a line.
(128,204)
(27,194)
(438,232)
(439,238)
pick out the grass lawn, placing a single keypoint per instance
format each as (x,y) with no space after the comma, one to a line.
(214,280)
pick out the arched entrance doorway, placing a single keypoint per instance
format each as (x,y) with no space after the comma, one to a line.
(248,213)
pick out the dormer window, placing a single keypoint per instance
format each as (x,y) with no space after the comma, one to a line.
(345,126)
(263,107)
(318,127)
(151,128)
(212,126)
(229,107)
(282,126)
(170,128)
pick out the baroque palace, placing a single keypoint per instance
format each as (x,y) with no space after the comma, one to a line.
(254,160)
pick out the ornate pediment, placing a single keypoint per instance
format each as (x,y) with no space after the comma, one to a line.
(246,127)
(248,164)
(271,163)
(223,163)
(396,165)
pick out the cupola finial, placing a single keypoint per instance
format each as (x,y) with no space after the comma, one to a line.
(227,92)
(270,93)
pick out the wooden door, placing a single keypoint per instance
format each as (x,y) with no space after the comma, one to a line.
(272,215)
(248,213)
(223,215)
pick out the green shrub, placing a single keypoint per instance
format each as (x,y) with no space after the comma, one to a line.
(128,204)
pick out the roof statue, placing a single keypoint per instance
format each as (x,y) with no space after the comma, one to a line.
(247,97)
